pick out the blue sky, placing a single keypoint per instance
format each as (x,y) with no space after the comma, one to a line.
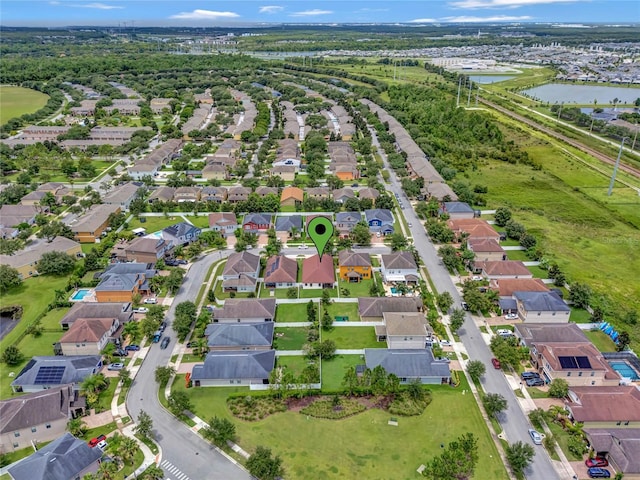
(242,12)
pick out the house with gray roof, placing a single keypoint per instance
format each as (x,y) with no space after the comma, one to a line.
(14,215)
(256,222)
(121,281)
(162,194)
(371,309)
(233,368)
(541,307)
(620,446)
(285,223)
(239,336)
(241,272)
(409,365)
(250,310)
(404,330)
(122,195)
(66,458)
(400,267)
(182,233)
(380,220)
(41,373)
(530,333)
(345,221)
(341,195)
(457,210)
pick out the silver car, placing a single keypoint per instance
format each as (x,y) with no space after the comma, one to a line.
(535,436)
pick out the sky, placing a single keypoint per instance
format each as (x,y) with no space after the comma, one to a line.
(199,13)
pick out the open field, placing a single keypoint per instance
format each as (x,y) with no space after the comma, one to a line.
(154,224)
(362,446)
(16,101)
(292,312)
(353,337)
(290,338)
(343,310)
(601,340)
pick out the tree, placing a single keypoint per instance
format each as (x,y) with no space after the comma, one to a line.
(9,278)
(445,301)
(514,230)
(624,339)
(163,374)
(144,427)
(76,427)
(327,320)
(494,403)
(350,381)
(56,263)
(476,369)
(264,466)
(502,216)
(153,472)
(519,456)
(178,402)
(398,242)
(580,295)
(360,234)
(456,462)
(559,388)
(456,319)
(12,355)
(174,280)
(219,431)
(127,449)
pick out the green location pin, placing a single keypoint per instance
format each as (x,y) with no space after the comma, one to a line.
(320,230)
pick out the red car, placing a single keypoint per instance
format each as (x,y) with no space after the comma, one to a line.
(596,462)
(95,441)
(496,363)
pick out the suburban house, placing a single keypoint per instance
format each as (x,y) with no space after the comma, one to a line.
(317,273)
(409,365)
(215,171)
(224,222)
(38,417)
(540,307)
(354,266)
(89,336)
(238,194)
(530,333)
(162,194)
(121,281)
(318,193)
(233,368)
(372,309)
(502,269)
(140,170)
(367,192)
(250,310)
(615,406)
(285,172)
(621,446)
(345,221)
(33,198)
(341,195)
(241,272)
(90,226)
(474,228)
(579,364)
(67,457)
(438,190)
(486,250)
(122,311)
(213,194)
(291,197)
(457,210)
(399,267)
(26,261)
(186,194)
(239,336)
(380,221)
(408,330)
(181,234)
(122,196)
(14,215)
(256,222)
(507,286)
(141,249)
(262,191)
(289,224)
(280,272)
(42,373)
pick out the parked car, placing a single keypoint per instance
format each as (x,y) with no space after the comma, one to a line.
(96,440)
(132,348)
(303,246)
(182,262)
(141,310)
(465,306)
(596,462)
(535,436)
(597,472)
(496,363)
(528,375)
(151,301)
(171,263)
(121,352)
(115,366)
(477,278)
(511,316)
(102,445)
(445,343)
(504,332)
(535,382)
(163,326)
(165,343)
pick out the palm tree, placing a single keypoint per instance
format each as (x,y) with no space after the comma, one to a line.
(107,471)
(93,383)
(128,449)
(154,472)
(200,347)
(131,330)
(76,427)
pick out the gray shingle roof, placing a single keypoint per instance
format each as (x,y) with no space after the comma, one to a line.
(541,301)
(240,334)
(406,363)
(284,224)
(76,369)
(382,214)
(550,332)
(181,229)
(349,258)
(35,408)
(342,217)
(457,207)
(402,260)
(257,218)
(242,262)
(62,459)
(235,365)
(122,311)
(246,308)
(376,306)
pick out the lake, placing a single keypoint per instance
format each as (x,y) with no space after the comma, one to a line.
(582,94)
(486,79)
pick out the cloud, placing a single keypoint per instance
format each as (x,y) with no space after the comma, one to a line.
(423,20)
(271,9)
(311,13)
(495,18)
(369,10)
(476,4)
(204,15)
(55,2)
(97,6)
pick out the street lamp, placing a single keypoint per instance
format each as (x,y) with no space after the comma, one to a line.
(615,168)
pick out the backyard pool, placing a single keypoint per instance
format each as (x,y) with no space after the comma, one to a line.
(394,291)
(624,369)
(79,294)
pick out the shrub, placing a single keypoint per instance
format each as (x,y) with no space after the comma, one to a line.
(407,405)
(329,408)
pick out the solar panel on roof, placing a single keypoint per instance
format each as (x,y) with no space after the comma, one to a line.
(583,362)
(568,362)
(49,375)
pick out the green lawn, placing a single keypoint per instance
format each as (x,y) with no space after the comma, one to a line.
(333,370)
(292,312)
(277,292)
(601,340)
(362,446)
(52,319)
(316,292)
(356,290)
(344,310)
(562,438)
(353,337)
(16,101)
(201,221)
(538,272)
(291,339)
(579,315)
(295,364)
(154,224)
(517,255)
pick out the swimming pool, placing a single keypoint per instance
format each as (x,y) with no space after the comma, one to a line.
(79,294)
(393,290)
(624,369)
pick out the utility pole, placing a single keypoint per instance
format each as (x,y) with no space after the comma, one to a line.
(469,97)
(459,87)
(615,168)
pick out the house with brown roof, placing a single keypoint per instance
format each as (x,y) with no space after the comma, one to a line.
(89,227)
(224,222)
(578,364)
(372,309)
(486,250)
(33,198)
(317,273)
(367,192)
(238,194)
(507,286)
(615,406)
(285,172)
(319,193)
(122,311)
(341,195)
(399,267)
(213,194)
(291,196)
(142,249)
(122,196)
(241,272)
(89,336)
(262,191)
(14,215)
(404,330)
(474,228)
(186,194)
(620,446)
(26,261)
(162,194)
(281,272)
(354,266)
(250,310)
(502,269)
(215,171)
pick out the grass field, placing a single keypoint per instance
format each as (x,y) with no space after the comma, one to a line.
(362,446)
(292,312)
(353,337)
(333,370)
(344,310)
(290,338)
(154,224)
(294,363)
(16,101)
(356,290)
(601,340)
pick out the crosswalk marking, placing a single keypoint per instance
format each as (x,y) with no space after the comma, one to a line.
(169,467)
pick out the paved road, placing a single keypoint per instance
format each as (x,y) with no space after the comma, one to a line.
(513,421)
(184,454)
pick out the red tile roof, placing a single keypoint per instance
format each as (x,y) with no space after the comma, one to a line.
(316,271)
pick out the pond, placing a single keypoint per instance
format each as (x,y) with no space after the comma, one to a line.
(486,79)
(582,94)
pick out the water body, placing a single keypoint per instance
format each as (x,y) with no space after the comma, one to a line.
(486,79)
(582,94)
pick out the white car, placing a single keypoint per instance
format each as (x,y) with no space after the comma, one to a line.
(102,445)
(535,436)
(511,316)
(445,343)
(477,278)
(303,247)
(151,301)
(141,310)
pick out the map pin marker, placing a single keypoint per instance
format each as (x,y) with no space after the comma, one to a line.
(320,230)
